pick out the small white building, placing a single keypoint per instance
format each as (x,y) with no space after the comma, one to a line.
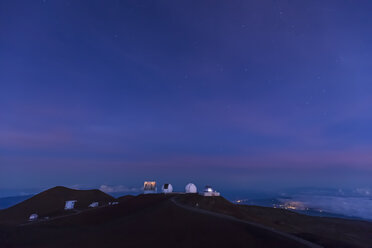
(167,188)
(33,217)
(94,205)
(149,187)
(209,191)
(70,204)
(191,188)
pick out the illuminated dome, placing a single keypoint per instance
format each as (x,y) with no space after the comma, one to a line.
(208,189)
(167,188)
(33,217)
(191,188)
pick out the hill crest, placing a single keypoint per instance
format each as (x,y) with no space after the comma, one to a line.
(51,202)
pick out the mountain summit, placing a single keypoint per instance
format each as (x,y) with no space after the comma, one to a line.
(52,202)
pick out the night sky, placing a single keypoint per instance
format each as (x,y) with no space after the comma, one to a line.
(237,94)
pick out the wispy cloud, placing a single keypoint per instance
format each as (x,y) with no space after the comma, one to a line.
(364,191)
(118,189)
(349,206)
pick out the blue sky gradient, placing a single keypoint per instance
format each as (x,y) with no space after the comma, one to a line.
(256,94)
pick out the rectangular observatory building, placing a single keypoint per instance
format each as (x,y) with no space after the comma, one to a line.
(149,187)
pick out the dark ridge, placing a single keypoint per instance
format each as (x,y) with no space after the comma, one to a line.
(125,198)
(143,221)
(328,232)
(182,220)
(51,203)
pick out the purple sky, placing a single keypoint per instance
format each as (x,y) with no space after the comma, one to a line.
(257,93)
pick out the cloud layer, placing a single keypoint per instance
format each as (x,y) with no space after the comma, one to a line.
(349,206)
(118,189)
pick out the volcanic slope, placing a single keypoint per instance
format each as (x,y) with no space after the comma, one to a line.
(327,232)
(51,203)
(143,221)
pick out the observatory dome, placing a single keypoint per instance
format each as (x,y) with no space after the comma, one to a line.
(33,217)
(209,191)
(70,204)
(167,188)
(191,188)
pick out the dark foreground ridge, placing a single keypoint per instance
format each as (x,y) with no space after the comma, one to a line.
(172,220)
(252,224)
(51,203)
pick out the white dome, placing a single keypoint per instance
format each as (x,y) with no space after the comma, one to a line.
(167,188)
(208,189)
(33,217)
(191,188)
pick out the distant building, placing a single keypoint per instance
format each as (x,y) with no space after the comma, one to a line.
(209,191)
(167,188)
(149,187)
(94,205)
(70,205)
(191,188)
(33,217)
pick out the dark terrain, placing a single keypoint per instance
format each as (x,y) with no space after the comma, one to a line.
(51,203)
(173,220)
(328,232)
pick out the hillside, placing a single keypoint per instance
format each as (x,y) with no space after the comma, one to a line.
(142,221)
(186,220)
(125,198)
(51,203)
(328,232)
